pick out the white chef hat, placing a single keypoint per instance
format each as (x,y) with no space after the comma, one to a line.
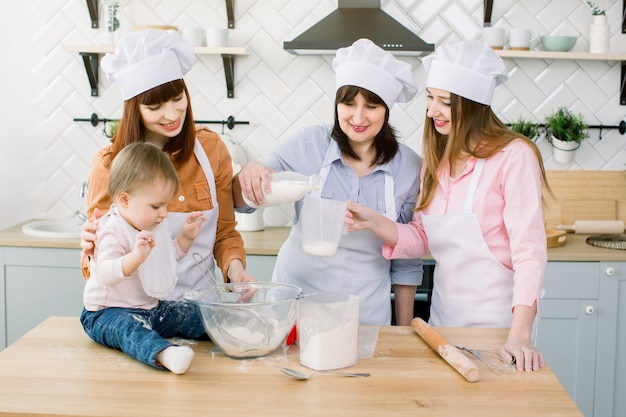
(365,65)
(147,59)
(469,69)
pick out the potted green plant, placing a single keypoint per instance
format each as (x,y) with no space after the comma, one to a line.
(565,130)
(526,127)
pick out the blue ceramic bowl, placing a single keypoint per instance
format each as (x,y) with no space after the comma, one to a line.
(558,43)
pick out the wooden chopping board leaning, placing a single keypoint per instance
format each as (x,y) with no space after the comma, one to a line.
(450,353)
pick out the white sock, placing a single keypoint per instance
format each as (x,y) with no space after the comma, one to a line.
(176,358)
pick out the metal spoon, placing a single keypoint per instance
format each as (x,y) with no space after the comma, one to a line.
(302,376)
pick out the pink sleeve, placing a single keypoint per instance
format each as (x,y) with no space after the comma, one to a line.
(523,217)
(412,242)
(178,250)
(108,266)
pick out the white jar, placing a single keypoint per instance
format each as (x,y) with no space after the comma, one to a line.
(599,33)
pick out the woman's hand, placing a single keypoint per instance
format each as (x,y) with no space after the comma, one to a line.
(88,236)
(237,273)
(518,346)
(523,353)
(253,178)
(359,217)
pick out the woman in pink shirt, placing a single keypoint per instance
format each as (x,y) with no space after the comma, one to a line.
(479,213)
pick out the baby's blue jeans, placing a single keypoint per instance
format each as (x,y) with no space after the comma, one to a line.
(141,333)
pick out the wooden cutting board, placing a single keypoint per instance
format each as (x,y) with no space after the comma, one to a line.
(556,238)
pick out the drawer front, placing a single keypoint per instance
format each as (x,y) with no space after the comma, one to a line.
(572,280)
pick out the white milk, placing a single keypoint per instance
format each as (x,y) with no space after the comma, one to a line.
(320,248)
(287,187)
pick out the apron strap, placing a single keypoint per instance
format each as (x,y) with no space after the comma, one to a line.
(469,199)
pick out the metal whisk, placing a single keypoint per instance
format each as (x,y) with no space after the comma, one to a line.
(208,275)
(491,359)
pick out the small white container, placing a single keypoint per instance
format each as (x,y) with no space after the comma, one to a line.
(216,37)
(250,222)
(328,330)
(195,36)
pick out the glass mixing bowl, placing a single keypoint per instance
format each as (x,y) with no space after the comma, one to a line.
(247,320)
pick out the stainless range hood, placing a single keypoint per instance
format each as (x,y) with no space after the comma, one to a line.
(355,19)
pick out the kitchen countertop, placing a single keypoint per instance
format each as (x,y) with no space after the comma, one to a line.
(268,241)
(56,370)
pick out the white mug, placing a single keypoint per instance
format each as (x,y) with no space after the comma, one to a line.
(216,37)
(494,37)
(195,36)
(520,39)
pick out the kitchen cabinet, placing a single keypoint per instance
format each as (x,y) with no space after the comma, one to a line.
(582,330)
(36,283)
(260,266)
(40,282)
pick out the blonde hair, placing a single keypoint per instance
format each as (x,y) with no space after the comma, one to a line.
(476,131)
(139,164)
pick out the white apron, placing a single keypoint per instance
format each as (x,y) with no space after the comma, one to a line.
(357,268)
(189,275)
(471,287)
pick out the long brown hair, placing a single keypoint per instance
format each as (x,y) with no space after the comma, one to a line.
(385,142)
(131,129)
(476,131)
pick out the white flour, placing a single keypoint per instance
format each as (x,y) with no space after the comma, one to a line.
(320,248)
(337,348)
(241,341)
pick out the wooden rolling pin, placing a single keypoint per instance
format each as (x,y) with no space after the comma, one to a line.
(455,358)
(594,227)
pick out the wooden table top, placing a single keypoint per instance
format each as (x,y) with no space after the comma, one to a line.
(56,370)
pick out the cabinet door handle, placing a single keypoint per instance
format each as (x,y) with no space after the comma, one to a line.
(589,310)
(610,271)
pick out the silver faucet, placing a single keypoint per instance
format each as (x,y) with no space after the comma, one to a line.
(83,190)
(81,215)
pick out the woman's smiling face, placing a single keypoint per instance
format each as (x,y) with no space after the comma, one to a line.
(165,119)
(361,120)
(438,109)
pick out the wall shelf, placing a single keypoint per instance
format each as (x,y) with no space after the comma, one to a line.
(91,55)
(92,7)
(577,56)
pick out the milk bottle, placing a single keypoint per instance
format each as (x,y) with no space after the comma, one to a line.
(287,187)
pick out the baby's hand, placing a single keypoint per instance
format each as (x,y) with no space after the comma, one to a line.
(144,242)
(192,224)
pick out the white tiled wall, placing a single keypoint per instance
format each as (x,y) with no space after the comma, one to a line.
(46,156)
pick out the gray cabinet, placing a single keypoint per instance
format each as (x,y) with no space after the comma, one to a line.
(568,327)
(582,331)
(260,267)
(37,283)
(611,357)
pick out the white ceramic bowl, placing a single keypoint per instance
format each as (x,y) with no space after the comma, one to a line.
(558,43)
(248,320)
